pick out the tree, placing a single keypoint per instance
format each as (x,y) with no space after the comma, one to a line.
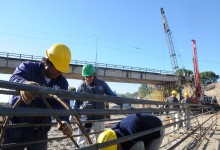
(127,95)
(184,72)
(72,89)
(144,90)
(185,75)
(208,77)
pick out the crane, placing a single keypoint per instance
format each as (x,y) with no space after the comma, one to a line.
(171,48)
(200,97)
(196,71)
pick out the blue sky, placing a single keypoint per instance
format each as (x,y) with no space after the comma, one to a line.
(127,32)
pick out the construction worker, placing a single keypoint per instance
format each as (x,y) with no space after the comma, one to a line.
(130,125)
(173,115)
(92,85)
(47,73)
(186,111)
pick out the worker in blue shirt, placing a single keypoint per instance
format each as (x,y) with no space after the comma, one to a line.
(47,73)
(173,115)
(132,124)
(92,85)
(186,111)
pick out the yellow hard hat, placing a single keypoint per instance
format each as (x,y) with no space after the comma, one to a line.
(107,136)
(174,92)
(186,94)
(60,56)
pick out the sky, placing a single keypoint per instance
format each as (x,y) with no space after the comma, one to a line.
(119,32)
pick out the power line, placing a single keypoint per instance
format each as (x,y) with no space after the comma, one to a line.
(132,49)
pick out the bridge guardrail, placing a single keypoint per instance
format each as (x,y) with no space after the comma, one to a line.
(78,62)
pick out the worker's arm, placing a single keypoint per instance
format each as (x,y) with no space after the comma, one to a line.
(108,91)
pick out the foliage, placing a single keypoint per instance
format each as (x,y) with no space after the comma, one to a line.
(208,77)
(128,95)
(184,72)
(144,90)
(72,88)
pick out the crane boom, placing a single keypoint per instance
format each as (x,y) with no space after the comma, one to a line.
(169,41)
(196,70)
(171,48)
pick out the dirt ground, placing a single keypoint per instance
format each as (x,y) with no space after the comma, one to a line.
(211,141)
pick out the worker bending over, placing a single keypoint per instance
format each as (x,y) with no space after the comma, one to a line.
(132,124)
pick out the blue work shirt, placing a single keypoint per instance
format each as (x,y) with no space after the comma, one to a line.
(135,123)
(33,71)
(172,100)
(99,87)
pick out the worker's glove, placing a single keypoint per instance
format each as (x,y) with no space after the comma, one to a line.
(28,96)
(65,128)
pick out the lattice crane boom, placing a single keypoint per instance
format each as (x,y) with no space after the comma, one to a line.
(171,48)
(169,40)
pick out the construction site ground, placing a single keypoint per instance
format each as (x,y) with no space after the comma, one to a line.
(211,141)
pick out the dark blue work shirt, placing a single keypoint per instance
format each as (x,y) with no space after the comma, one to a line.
(98,87)
(33,71)
(135,123)
(172,100)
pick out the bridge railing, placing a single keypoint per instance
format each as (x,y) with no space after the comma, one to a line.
(78,62)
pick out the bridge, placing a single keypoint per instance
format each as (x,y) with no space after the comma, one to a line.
(107,72)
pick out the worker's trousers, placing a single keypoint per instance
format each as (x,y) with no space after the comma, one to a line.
(174,117)
(18,135)
(96,127)
(154,145)
(27,134)
(186,115)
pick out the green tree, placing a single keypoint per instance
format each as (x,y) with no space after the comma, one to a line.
(184,72)
(185,76)
(127,95)
(208,77)
(144,90)
(70,88)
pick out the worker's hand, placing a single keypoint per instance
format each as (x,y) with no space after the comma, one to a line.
(166,120)
(65,128)
(28,96)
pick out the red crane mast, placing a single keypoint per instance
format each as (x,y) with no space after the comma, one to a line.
(196,70)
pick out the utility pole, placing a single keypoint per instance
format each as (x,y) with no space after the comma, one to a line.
(96,48)
(96,54)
